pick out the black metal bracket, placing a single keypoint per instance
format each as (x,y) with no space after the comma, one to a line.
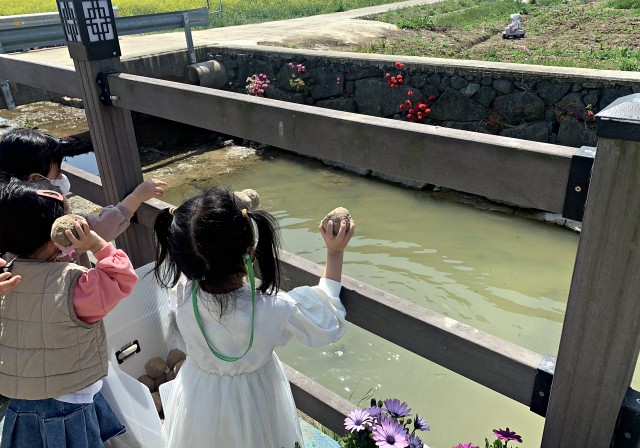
(578,183)
(105,93)
(627,433)
(127,351)
(542,385)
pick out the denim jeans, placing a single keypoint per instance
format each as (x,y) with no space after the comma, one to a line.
(55,424)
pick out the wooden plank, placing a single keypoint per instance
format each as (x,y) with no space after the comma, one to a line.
(116,150)
(601,333)
(85,184)
(318,402)
(59,79)
(525,173)
(486,359)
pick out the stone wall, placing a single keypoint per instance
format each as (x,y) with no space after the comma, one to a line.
(546,104)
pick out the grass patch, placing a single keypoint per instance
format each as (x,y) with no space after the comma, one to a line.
(235,12)
(601,34)
(239,12)
(127,7)
(624,4)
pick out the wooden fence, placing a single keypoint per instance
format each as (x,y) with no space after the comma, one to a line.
(524,173)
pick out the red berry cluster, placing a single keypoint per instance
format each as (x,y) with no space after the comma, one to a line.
(395,81)
(417,111)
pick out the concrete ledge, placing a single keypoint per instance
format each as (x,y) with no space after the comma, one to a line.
(314,438)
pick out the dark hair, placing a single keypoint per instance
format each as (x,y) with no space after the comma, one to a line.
(206,239)
(27,151)
(26,217)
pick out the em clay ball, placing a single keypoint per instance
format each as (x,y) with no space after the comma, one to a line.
(337,215)
(60,225)
(250,198)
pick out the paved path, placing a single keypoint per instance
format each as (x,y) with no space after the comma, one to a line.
(322,30)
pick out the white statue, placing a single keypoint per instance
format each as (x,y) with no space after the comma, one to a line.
(513,29)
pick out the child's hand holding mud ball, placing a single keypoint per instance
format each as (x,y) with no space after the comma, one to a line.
(71,232)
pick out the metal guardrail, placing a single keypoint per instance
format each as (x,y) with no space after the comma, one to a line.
(38,32)
(39,19)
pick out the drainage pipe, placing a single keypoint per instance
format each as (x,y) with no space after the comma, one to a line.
(207,74)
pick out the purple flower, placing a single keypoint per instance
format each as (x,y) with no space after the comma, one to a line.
(357,419)
(507,435)
(389,433)
(415,442)
(374,411)
(465,445)
(421,424)
(397,409)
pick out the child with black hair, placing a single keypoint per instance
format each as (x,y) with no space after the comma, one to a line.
(53,349)
(231,391)
(32,155)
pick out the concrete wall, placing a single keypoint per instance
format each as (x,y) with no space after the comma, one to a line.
(545,104)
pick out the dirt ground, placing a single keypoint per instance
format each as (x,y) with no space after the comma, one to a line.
(588,35)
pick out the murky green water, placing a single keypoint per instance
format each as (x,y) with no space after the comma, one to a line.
(505,275)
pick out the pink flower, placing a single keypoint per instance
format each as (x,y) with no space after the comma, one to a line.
(465,445)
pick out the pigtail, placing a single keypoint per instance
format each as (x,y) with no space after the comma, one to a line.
(267,250)
(166,271)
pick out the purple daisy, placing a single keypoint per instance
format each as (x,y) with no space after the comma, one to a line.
(465,445)
(421,424)
(507,435)
(374,411)
(356,420)
(415,442)
(397,409)
(389,433)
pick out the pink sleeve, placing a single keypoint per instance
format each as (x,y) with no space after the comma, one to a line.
(111,222)
(100,289)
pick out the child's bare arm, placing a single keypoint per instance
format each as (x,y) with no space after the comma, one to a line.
(151,188)
(336,245)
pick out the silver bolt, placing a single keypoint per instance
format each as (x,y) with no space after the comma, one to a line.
(541,393)
(115,53)
(627,435)
(578,189)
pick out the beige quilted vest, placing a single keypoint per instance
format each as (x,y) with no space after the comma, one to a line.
(45,350)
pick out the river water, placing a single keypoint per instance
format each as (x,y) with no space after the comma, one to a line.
(503,274)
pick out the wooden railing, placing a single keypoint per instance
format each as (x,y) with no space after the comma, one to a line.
(524,173)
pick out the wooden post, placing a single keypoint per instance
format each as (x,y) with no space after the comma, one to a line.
(601,332)
(92,40)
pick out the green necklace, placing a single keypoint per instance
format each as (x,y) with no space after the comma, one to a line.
(194,291)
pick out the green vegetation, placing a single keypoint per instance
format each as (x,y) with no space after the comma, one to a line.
(235,12)
(603,34)
(238,12)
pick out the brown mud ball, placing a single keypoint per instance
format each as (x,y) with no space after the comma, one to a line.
(174,357)
(250,198)
(155,367)
(337,215)
(60,225)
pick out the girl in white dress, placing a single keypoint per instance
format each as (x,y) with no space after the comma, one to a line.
(231,390)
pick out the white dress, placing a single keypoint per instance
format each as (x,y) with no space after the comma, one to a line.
(246,403)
